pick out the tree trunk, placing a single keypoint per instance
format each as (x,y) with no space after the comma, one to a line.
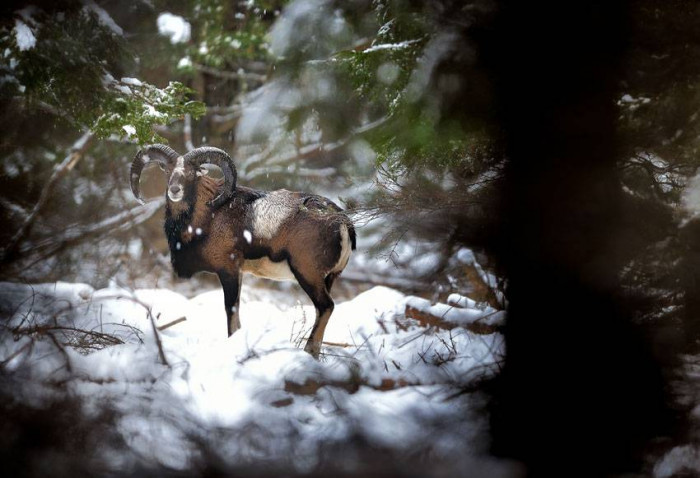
(580,393)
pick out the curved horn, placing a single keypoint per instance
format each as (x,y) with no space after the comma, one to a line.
(219,157)
(158,153)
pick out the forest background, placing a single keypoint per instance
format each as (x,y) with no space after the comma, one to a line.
(558,143)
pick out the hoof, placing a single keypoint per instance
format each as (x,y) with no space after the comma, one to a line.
(313,348)
(234,324)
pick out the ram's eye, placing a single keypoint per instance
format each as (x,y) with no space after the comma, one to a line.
(202,171)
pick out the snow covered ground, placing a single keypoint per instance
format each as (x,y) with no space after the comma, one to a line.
(395,383)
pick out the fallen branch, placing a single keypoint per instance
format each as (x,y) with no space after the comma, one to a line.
(310,386)
(482,290)
(389,281)
(77,152)
(73,235)
(429,320)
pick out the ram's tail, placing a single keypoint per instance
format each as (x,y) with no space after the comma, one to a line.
(351,233)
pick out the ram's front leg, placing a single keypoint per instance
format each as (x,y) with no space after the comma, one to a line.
(231,283)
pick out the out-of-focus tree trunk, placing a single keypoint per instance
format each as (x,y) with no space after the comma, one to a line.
(580,394)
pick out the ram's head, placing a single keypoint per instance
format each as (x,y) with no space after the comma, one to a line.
(184,171)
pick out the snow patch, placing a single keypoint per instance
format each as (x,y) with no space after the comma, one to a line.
(175,27)
(679,461)
(24,36)
(104,17)
(151,111)
(132,81)
(690,200)
(390,46)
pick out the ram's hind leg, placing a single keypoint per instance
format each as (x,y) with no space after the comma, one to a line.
(315,288)
(324,308)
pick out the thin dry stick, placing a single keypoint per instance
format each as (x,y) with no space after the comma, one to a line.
(336,344)
(62,350)
(161,352)
(170,324)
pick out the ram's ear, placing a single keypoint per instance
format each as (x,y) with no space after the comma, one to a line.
(219,157)
(205,169)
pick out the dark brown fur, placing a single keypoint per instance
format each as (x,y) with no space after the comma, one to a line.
(308,241)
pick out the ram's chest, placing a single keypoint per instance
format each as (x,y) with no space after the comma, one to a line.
(185,254)
(186,261)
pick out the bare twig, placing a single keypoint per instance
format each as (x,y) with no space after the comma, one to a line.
(81,339)
(161,352)
(170,324)
(60,348)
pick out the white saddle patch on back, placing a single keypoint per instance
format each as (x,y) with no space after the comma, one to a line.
(270,212)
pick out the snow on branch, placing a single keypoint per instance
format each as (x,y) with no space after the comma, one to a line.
(444,316)
(390,46)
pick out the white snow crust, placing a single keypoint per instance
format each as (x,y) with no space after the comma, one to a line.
(24,36)
(213,381)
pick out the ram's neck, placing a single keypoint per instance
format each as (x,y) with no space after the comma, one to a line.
(177,219)
(208,188)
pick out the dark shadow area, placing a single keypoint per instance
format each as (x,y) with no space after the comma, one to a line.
(581,390)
